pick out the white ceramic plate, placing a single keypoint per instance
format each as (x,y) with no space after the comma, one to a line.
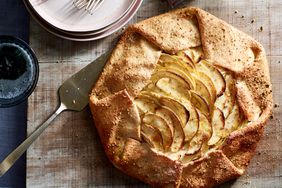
(63,15)
(68,36)
(90,33)
(134,2)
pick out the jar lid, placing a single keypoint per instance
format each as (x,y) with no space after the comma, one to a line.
(19,71)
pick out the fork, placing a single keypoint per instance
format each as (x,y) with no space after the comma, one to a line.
(90,5)
(73,95)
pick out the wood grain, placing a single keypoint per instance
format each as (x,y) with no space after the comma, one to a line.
(69,153)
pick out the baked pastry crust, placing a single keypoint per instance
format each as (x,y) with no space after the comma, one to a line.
(129,70)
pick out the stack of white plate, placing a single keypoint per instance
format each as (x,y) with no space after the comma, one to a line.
(63,19)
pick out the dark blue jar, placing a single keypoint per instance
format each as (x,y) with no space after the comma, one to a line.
(19,71)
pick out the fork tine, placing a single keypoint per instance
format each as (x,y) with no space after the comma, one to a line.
(80,3)
(90,5)
(98,5)
(75,2)
(94,6)
(90,2)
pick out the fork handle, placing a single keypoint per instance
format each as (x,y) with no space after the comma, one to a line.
(9,161)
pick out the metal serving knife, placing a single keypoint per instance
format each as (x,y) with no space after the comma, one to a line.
(73,95)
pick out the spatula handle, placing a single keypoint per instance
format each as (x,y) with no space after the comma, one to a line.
(9,161)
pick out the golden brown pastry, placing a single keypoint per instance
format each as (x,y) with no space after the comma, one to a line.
(183,100)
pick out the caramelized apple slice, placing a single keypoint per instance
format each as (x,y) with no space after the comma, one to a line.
(209,84)
(185,59)
(205,126)
(149,94)
(220,102)
(195,54)
(204,133)
(190,157)
(167,59)
(152,136)
(233,120)
(176,107)
(203,91)
(200,103)
(145,103)
(159,123)
(178,134)
(230,94)
(176,74)
(218,123)
(165,74)
(185,75)
(192,126)
(214,74)
(151,87)
(173,88)
(194,146)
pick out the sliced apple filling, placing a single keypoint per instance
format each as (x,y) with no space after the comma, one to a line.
(188,107)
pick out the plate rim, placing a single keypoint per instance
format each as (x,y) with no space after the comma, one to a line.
(87,38)
(45,17)
(101,30)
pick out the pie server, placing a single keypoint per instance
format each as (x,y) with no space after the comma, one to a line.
(73,95)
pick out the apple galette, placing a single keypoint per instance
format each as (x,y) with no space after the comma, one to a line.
(183,100)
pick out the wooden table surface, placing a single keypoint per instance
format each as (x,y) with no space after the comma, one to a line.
(69,153)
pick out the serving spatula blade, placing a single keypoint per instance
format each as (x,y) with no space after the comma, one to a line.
(73,95)
(74,92)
